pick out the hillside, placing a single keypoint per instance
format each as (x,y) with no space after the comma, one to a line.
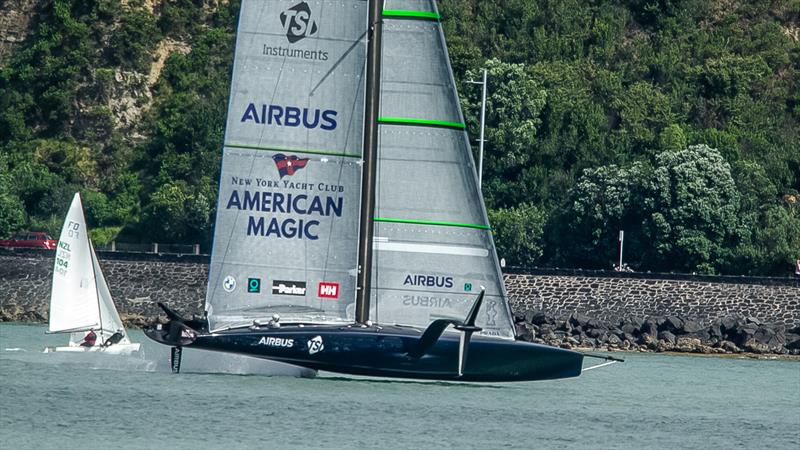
(675,120)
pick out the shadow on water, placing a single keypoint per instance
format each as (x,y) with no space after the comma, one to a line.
(405,381)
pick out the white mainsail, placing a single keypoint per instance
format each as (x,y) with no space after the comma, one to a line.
(80,299)
(286,231)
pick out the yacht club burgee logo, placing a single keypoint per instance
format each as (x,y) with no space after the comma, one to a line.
(288,165)
(297,22)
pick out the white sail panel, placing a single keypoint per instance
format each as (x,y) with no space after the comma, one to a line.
(433,248)
(286,231)
(110,321)
(73,297)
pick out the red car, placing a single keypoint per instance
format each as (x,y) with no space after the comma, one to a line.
(30,239)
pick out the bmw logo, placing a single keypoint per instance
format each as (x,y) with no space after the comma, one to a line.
(229,283)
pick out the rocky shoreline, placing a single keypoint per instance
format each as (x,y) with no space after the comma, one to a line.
(566,308)
(733,334)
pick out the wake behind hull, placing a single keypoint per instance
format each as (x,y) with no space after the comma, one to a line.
(384,352)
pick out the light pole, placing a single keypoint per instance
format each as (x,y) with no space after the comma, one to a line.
(483,121)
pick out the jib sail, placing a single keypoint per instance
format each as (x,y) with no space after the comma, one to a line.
(286,232)
(433,247)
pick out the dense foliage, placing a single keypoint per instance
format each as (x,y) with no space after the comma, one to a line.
(677,121)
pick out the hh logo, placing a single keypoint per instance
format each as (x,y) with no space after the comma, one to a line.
(297,22)
(315,345)
(288,165)
(328,290)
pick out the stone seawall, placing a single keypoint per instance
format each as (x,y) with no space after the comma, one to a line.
(138,281)
(610,297)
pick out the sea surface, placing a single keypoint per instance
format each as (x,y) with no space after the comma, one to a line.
(92,401)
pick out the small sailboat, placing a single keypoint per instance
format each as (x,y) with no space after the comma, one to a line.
(80,301)
(351,234)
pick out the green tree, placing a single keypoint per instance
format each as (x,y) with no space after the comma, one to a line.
(181,213)
(12,210)
(518,233)
(681,213)
(513,105)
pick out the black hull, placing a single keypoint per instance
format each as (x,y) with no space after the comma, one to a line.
(384,352)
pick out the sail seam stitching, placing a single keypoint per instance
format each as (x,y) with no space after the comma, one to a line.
(295,150)
(432,222)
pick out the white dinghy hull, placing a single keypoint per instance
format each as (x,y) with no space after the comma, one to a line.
(116,349)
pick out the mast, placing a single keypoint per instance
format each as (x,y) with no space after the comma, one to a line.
(94,272)
(372,109)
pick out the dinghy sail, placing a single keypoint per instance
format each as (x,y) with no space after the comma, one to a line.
(351,235)
(80,299)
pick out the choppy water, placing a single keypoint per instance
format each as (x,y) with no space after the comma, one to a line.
(652,401)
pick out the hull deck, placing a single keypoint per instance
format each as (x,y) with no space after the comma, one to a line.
(384,352)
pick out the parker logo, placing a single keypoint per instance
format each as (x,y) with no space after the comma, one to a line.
(297,22)
(280,287)
(328,290)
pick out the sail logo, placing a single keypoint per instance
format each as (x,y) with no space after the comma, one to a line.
(491,314)
(280,287)
(315,345)
(428,281)
(328,290)
(229,283)
(276,342)
(254,285)
(297,22)
(427,302)
(290,116)
(288,165)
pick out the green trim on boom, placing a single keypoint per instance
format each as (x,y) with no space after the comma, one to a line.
(399,13)
(295,150)
(432,222)
(421,122)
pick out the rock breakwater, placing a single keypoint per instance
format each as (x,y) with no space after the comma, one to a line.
(729,335)
(601,310)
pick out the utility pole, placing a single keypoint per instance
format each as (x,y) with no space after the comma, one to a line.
(483,123)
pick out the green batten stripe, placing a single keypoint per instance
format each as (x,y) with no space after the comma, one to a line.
(422,122)
(411,14)
(431,222)
(295,150)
